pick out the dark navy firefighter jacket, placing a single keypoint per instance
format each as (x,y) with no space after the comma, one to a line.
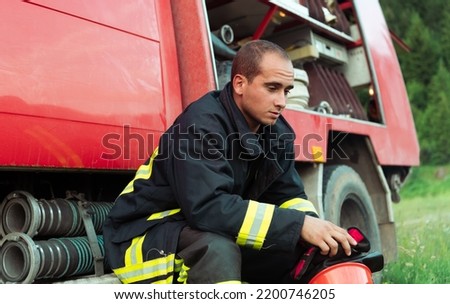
(212,173)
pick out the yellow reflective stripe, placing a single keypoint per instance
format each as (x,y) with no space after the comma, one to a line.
(230,282)
(129,188)
(255,225)
(133,255)
(178,264)
(144,172)
(163,214)
(299,204)
(147,270)
(247,224)
(183,275)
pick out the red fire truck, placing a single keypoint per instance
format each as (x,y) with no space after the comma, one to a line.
(87,87)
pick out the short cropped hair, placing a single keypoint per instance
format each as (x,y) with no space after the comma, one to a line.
(248,58)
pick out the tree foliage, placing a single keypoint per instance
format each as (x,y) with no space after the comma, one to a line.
(421,63)
(434,121)
(425,27)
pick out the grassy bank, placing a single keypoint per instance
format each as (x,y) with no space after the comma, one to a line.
(423,229)
(427,181)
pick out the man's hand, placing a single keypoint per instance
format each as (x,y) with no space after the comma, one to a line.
(326,235)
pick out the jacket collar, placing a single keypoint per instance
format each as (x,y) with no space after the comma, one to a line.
(271,136)
(238,119)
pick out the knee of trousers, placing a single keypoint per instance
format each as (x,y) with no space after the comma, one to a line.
(212,258)
(224,248)
(211,246)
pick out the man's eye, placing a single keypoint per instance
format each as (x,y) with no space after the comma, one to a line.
(286,92)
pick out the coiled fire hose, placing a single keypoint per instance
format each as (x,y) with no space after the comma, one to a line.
(21,212)
(50,239)
(24,260)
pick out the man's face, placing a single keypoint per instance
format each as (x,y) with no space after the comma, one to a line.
(263,100)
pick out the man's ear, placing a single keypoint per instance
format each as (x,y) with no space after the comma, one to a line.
(239,83)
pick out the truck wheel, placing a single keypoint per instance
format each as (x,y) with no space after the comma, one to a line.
(347,202)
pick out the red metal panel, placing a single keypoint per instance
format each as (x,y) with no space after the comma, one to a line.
(194,49)
(169,62)
(134,17)
(398,144)
(67,83)
(33,141)
(312,134)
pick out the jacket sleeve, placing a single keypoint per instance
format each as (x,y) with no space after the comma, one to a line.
(202,182)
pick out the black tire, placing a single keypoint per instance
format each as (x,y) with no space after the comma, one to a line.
(347,203)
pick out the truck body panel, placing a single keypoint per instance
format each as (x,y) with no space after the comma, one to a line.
(75,82)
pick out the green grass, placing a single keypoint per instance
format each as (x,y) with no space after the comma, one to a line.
(427,181)
(423,231)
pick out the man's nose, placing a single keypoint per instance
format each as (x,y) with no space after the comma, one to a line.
(280,101)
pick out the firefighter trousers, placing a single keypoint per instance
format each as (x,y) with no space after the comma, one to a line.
(211,258)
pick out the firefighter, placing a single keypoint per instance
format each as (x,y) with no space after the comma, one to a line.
(220,200)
